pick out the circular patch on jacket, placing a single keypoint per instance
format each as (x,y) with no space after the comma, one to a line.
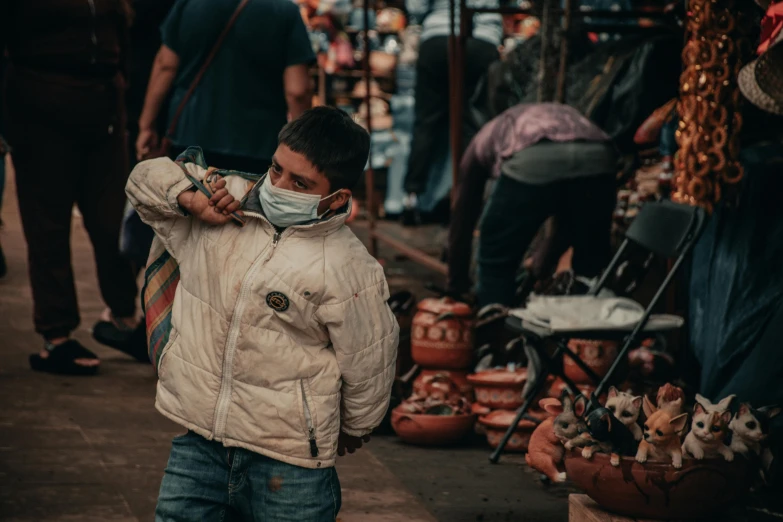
(277,301)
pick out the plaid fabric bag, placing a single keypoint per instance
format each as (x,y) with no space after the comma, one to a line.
(162,275)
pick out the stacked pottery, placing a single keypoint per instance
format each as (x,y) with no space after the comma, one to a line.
(597,355)
(498,396)
(439,412)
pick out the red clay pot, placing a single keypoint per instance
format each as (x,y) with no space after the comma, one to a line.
(598,355)
(431,430)
(655,490)
(499,389)
(442,334)
(496,424)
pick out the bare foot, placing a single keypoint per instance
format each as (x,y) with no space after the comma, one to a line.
(87,363)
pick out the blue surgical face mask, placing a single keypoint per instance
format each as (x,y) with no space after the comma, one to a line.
(286,208)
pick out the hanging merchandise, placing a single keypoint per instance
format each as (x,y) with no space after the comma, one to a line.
(710,121)
(379,112)
(771,26)
(390,20)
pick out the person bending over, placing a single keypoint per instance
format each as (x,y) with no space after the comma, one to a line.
(550,161)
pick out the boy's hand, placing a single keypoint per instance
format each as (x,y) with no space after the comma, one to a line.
(348,443)
(216,210)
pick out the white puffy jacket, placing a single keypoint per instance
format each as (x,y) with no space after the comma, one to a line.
(279,339)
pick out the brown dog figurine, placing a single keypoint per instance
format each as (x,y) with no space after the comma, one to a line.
(661,435)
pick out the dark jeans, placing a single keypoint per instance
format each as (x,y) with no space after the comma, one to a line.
(513,215)
(208,482)
(61,167)
(432,101)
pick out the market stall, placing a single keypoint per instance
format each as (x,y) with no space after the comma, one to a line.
(690,154)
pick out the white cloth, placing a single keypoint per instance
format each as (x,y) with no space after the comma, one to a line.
(584,313)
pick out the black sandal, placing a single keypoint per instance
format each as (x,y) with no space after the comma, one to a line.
(129,341)
(62,360)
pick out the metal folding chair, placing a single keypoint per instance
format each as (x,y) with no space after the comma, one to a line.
(665,229)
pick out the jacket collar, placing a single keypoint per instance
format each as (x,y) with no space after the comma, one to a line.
(251,206)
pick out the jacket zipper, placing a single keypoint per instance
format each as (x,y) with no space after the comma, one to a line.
(309,420)
(224,396)
(93,36)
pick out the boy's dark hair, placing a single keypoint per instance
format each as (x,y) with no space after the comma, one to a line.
(336,145)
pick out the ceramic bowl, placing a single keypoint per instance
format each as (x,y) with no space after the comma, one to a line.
(499,389)
(431,430)
(459,378)
(655,490)
(497,422)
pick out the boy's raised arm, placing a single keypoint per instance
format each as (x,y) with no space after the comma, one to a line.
(153,189)
(365,334)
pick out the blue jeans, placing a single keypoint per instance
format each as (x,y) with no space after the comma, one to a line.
(208,482)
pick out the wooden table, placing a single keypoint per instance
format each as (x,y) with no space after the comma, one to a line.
(582,508)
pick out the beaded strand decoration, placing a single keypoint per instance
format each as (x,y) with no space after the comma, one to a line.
(717,47)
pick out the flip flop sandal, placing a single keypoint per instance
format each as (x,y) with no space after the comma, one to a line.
(62,359)
(129,341)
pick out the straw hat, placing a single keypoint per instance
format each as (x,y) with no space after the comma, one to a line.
(761,81)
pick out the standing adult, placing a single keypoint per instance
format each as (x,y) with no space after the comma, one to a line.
(432,88)
(65,120)
(258,77)
(148,15)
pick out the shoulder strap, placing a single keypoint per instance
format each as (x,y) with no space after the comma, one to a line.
(205,66)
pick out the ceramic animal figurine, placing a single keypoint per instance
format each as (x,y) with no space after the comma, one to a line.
(609,436)
(668,397)
(625,407)
(707,435)
(545,449)
(661,435)
(749,432)
(719,407)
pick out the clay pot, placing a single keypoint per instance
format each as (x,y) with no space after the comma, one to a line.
(431,430)
(656,490)
(459,378)
(499,389)
(496,424)
(598,355)
(442,334)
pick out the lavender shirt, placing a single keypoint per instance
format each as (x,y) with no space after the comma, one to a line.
(526,124)
(503,141)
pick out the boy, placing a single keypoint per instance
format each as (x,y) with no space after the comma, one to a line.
(282,350)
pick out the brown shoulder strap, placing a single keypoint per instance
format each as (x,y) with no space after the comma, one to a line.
(205,66)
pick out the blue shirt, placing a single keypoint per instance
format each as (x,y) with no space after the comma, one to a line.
(239,107)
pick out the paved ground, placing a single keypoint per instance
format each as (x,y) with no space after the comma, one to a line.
(93,449)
